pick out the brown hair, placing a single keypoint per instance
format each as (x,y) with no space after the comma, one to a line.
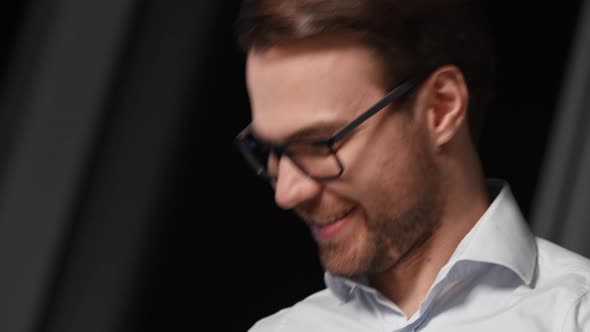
(409,35)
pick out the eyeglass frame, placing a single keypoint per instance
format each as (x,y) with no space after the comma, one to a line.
(282,149)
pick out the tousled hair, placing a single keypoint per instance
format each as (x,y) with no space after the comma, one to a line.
(408,35)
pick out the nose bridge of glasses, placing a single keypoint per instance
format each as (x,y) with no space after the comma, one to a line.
(273,159)
(292,184)
(281,159)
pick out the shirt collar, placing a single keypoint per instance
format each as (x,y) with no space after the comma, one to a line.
(501,237)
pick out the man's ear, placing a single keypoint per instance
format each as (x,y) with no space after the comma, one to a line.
(447,98)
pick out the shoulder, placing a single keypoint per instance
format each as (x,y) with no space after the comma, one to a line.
(556,262)
(562,269)
(271,323)
(303,312)
(577,317)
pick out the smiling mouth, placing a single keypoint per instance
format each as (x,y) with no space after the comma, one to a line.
(329,228)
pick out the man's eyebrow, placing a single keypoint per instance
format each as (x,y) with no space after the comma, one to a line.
(315,131)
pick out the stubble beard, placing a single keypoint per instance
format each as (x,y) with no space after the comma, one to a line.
(385,243)
(387,239)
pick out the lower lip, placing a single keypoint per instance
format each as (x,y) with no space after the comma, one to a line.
(331,230)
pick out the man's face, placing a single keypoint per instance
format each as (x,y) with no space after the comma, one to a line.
(387,200)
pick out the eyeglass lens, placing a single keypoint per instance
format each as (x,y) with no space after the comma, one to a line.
(316,160)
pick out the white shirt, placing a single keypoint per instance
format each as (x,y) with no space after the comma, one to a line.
(500,278)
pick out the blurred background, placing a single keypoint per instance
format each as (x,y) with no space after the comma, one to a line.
(125,207)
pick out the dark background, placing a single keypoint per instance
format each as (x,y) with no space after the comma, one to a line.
(215,251)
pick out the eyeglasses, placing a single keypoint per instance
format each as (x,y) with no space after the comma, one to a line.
(315,158)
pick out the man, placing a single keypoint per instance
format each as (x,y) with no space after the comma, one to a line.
(365,115)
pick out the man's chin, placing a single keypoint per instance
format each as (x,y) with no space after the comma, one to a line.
(342,264)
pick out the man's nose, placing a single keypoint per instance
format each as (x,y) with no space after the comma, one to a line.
(293,186)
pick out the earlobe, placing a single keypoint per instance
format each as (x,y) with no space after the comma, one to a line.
(448,107)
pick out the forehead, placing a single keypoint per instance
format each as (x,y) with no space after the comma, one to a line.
(315,83)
